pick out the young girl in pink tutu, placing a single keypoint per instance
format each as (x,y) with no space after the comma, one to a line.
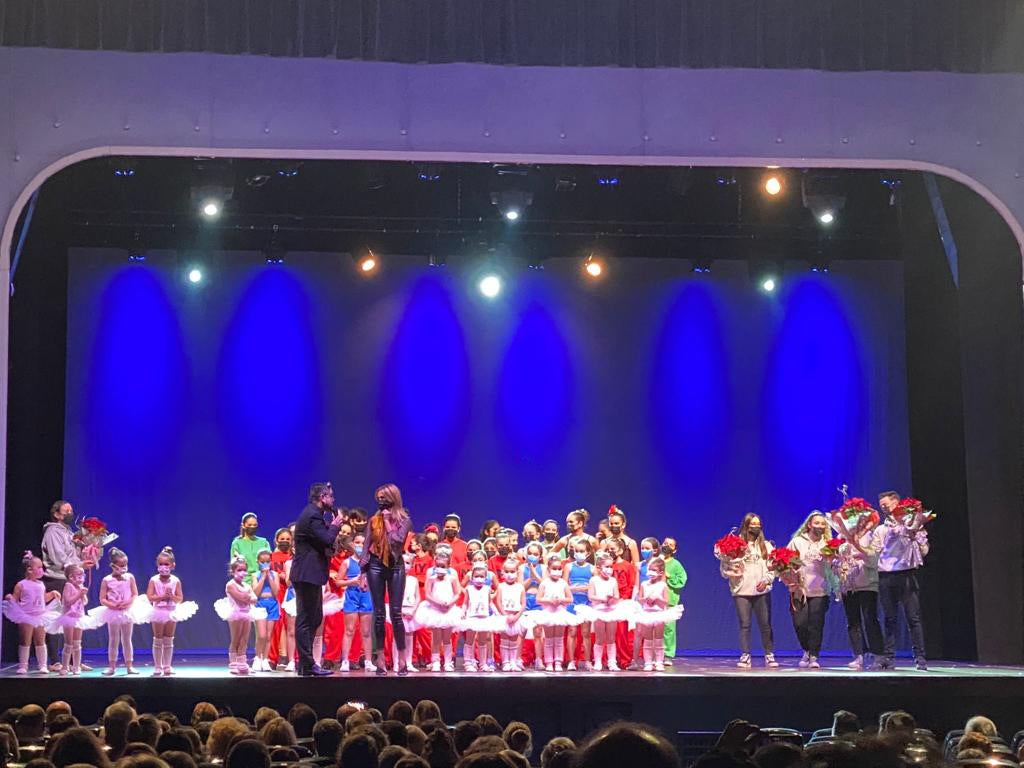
(73,619)
(118,592)
(163,606)
(606,610)
(554,597)
(478,622)
(439,610)
(238,608)
(26,606)
(510,601)
(653,614)
(410,601)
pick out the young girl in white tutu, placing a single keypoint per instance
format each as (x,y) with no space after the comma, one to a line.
(510,600)
(27,607)
(163,606)
(439,610)
(73,619)
(478,622)
(554,597)
(606,610)
(654,614)
(238,608)
(118,592)
(410,600)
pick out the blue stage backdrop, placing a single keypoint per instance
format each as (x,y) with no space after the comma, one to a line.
(687,400)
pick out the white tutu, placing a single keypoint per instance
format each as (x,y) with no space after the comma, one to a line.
(434,618)
(144,612)
(332,604)
(554,617)
(229,611)
(623,610)
(493,623)
(19,615)
(409,623)
(654,618)
(66,621)
(289,607)
(516,629)
(111,617)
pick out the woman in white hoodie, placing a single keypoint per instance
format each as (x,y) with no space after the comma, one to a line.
(810,592)
(750,583)
(58,552)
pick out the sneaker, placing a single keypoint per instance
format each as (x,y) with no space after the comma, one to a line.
(882,664)
(613,666)
(596,667)
(23,670)
(770,662)
(812,662)
(489,667)
(290,667)
(922,664)
(449,666)
(649,666)
(370,666)
(571,666)
(469,665)
(805,660)
(744,662)
(668,661)
(343,666)
(549,668)
(585,666)
(659,666)
(517,666)
(634,666)
(857,664)
(435,666)
(538,664)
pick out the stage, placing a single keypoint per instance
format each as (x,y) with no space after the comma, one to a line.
(695,694)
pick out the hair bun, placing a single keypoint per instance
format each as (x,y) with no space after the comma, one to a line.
(27,557)
(167,550)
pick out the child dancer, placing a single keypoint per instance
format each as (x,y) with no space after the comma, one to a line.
(532,575)
(265,587)
(358,607)
(439,611)
(478,622)
(73,618)
(654,614)
(163,606)
(510,601)
(605,611)
(554,598)
(332,605)
(626,575)
(26,607)
(410,599)
(580,573)
(236,608)
(118,592)
(649,547)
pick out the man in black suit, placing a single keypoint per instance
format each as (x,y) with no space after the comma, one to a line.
(313,546)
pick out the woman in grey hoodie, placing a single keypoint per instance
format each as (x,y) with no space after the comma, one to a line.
(58,551)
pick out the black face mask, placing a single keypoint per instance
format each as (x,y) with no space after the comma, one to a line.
(668,550)
(503,551)
(284,546)
(382,505)
(549,537)
(450,534)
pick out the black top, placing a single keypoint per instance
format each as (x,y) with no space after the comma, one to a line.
(313,545)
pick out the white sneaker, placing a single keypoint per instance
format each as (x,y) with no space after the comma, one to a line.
(744,662)
(648,666)
(805,660)
(659,666)
(571,666)
(517,665)
(549,667)
(291,666)
(770,662)
(449,666)
(435,666)
(812,663)
(343,666)
(411,668)
(613,666)
(857,663)
(538,664)
(597,666)
(370,666)
(24,670)
(469,665)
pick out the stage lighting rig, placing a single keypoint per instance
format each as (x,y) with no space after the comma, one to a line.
(593,266)
(765,274)
(823,195)
(512,203)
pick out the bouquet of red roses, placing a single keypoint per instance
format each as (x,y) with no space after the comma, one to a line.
(730,547)
(832,547)
(853,508)
(913,507)
(92,535)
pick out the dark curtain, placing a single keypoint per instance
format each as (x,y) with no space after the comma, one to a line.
(850,35)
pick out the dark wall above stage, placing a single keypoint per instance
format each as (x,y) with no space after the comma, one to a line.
(897,35)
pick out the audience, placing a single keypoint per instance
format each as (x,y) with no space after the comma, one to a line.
(411,736)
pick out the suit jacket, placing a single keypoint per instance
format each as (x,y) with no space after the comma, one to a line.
(313,545)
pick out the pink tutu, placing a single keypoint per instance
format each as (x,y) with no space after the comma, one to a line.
(646,618)
(554,617)
(14,612)
(67,621)
(228,610)
(493,623)
(429,616)
(144,612)
(623,610)
(111,617)
(332,604)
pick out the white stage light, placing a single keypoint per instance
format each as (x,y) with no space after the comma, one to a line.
(195,276)
(490,286)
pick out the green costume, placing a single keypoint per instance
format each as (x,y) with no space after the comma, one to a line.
(249,548)
(675,576)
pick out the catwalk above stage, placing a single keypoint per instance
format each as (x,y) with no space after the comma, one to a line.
(696,693)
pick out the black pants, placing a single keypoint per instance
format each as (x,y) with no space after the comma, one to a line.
(862,622)
(809,622)
(391,577)
(309,613)
(900,588)
(52,650)
(761,607)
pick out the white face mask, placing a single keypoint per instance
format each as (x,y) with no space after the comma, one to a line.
(606,571)
(478,581)
(510,577)
(78,579)
(239,576)
(555,574)
(163,570)
(119,570)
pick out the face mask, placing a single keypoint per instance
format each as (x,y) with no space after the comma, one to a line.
(450,534)
(645,554)
(283,546)
(555,575)
(549,537)
(358,549)
(440,573)
(755,532)
(606,571)
(163,570)
(478,581)
(119,570)
(653,575)
(503,551)
(382,505)
(510,577)
(581,557)
(250,530)
(532,559)
(239,576)
(78,579)
(668,550)
(264,566)
(408,559)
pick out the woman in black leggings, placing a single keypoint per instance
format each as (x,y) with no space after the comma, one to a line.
(750,583)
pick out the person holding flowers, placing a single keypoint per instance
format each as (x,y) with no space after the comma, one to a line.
(744,564)
(810,585)
(904,545)
(856,565)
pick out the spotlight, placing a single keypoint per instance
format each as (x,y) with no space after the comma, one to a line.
(607,177)
(288,170)
(211,208)
(765,275)
(122,167)
(772,185)
(136,252)
(367,262)
(823,195)
(819,264)
(725,178)
(490,286)
(768,284)
(274,252)
(536,263)
(512,203)
(894,184)
(195,276)
(593,266)
(212,187)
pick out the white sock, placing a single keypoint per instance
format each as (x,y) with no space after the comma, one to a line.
(158,652)
(23,651)
(449,650)
(318,649)
(65,656)
(648,652)
(659,652)
(549,650)
(598,654)
(168,652)
(76,654)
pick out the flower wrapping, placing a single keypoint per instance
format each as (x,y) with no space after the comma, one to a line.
(783,560)
(92,535)
(730,547)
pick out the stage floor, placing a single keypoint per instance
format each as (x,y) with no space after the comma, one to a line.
(696,693)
